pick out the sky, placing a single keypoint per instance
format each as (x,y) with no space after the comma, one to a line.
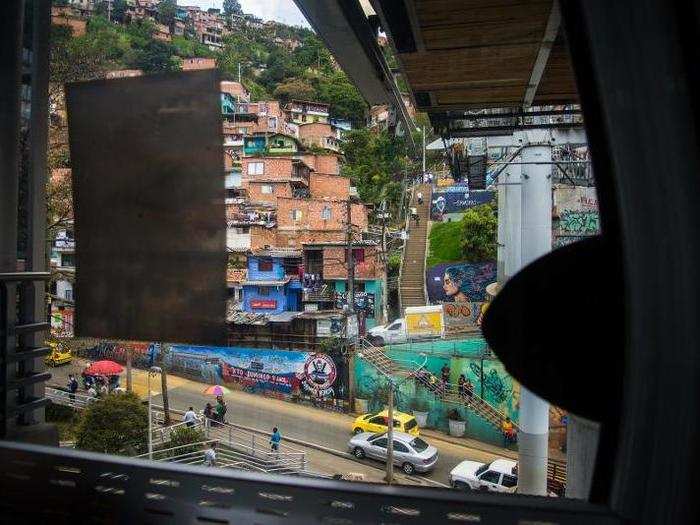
(284,11)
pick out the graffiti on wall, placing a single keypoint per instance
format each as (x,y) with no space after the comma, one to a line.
(457,199)
(575,214)
(580,223)
(459,282)
(286,373)
(460,316)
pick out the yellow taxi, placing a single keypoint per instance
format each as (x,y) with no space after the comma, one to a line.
(378,423)
(58,355)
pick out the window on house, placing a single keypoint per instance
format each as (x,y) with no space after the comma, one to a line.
(69,294)
(256,168)
(279,143)
(326,213)
(295,215)
(272,123)
(265,265)
(266,188)
(263,290)
(67,259)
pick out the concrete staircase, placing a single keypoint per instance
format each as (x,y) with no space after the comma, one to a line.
(448,393)
(412,283)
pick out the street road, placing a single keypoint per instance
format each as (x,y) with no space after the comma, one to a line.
(321,427)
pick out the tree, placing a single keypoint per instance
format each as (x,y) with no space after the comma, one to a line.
(156,57)
(344,98)
(294,88)
(118,424)
(232,7)
(479,227)
(166,12)
(376,162)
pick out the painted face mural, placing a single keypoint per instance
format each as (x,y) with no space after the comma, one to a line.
(460,282)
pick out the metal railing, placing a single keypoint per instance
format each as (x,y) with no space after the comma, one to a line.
(251,442)
(127,490)
(65,398)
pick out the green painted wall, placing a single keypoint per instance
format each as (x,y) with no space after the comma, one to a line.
(486,373)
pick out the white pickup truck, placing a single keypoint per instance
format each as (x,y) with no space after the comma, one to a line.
(419,322)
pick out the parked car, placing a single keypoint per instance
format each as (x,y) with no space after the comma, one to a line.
(391,333)
(377,422)
(411,453)
(500,475)
(418,323)
(58,355)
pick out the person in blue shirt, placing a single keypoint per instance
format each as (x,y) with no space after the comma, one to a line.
(275,439)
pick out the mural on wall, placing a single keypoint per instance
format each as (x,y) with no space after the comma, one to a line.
(457,199)
(459,282)
(575,214)
(279,372)
(464,315)
(141,353)
(363,301)
(62,321)
(487,375)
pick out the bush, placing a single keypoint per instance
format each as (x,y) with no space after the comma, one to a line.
(445,245)
(419,405)
(184,436)
(454,415)
(116,425)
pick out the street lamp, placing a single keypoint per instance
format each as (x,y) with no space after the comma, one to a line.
(390,414)
(151,372)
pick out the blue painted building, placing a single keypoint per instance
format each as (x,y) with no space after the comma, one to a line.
(272,285)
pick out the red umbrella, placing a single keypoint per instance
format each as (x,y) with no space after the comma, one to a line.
(104,368)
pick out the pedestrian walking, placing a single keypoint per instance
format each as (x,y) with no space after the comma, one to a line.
(469,390)
(72,387)
(103,389)
(275,439)
(508,431)
(92,391)
(190,417)
(210,455)
(445,373)
(220,409)
(209,411)
(419,196)
(462,386)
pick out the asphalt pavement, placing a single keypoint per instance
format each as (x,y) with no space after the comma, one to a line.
(326,429)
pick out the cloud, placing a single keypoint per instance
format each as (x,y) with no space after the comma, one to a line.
(280,10)
(284,11)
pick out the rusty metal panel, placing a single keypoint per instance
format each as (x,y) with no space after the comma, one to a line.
(148,190)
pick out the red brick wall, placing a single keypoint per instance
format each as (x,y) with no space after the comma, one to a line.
(255,194)
(332,187)
(311,210)
(261,236)
(314,130)
(275,168)
(334,264)
(195,63)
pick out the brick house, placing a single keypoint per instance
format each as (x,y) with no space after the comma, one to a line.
(198,63)
(327,261)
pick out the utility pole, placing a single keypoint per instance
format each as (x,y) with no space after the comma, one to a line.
(390,436)
(350,262)
(423,153)
(385,261)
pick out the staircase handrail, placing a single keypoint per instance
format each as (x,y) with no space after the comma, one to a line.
(403,255)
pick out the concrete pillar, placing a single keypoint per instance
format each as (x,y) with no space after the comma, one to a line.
(536,241)
(513,233)
(502,244)
(581,449)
